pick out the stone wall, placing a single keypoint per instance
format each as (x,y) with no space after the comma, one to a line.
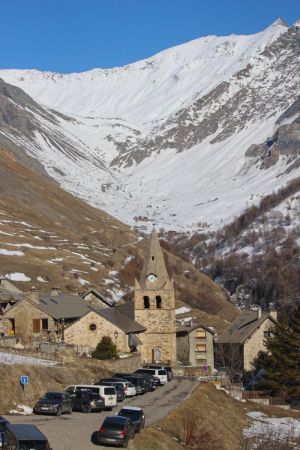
(255,344)
(23,314)
(183,348)
(160,334)
(89,330)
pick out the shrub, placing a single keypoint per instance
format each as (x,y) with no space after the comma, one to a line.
(106,349)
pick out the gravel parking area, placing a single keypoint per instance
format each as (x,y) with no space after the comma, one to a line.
(77,432)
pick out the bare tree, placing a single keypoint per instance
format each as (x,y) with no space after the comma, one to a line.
(195,435)
(230,356)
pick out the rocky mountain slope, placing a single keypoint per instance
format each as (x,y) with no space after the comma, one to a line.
(182,139)
(49,238)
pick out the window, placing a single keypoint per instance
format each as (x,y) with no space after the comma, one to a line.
(146,302)
(45,325)
(200,348)
(152,258)
(158,301)
(93,327)
(36,325)
(200,334)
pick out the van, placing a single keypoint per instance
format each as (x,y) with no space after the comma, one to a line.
(108,393)
(161,374)
(22,436)
(167,368)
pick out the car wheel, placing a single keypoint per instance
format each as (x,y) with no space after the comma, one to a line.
(58,412)
(70,410)
(86,409)
(125,445)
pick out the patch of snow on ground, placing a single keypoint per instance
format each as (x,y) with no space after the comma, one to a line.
(280,426)
(182,310)
(83,282)
(17,276)
(12,358)
(42,280)
(5,252)
(23,410)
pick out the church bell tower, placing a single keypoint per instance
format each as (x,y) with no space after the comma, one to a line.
(155,307)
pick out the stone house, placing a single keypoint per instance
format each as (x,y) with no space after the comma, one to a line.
(95,298)
(9,294)
(43,315)
(244,338)
(88,331)
(195,344)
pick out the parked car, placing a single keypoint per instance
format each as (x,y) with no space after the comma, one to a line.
(54,403)
(131,390)
(167,368)
(159,373)
(23,437)
(115,380)
(108,393)
(87,401)
(119,389)
(136,383)
(116,430)
(136,414)
(142,380)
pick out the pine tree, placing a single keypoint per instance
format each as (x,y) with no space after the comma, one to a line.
(106,349)
(282,360)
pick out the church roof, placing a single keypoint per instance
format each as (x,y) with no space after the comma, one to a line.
(154,263)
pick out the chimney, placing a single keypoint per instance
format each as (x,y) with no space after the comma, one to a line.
(257,309)
(272,311)
(33,295)
(55,291)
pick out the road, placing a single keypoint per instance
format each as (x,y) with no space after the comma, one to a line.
(76,432)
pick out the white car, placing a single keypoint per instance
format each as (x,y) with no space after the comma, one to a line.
(161,374)
(130,390)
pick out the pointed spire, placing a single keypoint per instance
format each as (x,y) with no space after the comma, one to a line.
(154,271)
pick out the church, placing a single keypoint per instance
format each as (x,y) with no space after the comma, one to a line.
(154,307)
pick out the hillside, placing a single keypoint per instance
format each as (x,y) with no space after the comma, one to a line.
(176,139)
(49,238)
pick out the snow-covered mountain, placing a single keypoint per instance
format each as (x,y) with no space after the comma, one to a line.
(177,139)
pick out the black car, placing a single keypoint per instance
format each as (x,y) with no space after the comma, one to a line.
(141,381)
(87,401)
(152,381)
(116,430)
(119,389)
(23,437)
(54,403)
(135,414)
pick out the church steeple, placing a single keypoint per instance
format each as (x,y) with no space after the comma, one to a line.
(154,273)
(154,306)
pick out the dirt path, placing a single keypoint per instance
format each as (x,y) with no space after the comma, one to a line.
(74,432)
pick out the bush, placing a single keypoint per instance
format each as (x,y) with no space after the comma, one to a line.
(106,349)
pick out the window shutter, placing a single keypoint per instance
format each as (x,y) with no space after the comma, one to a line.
(36,325)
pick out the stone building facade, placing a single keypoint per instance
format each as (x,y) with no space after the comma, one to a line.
(195,345)
(88,331)
(155,307)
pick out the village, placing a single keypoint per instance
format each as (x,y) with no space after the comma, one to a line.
(150,336)
(148,325)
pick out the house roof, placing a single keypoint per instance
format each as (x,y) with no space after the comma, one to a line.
(6,295)
(243,327)
(64,306)
(100,296)
(127,309)
(194,326)
(122,321)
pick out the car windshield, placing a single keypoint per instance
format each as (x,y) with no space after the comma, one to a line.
(32,445)
(52,396)
(132,414)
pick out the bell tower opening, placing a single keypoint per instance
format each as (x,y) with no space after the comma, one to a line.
(146,302)
(158,301)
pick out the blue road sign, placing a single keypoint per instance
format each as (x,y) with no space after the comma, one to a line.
(24,379)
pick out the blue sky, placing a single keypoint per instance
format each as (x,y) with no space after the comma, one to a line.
(77,35)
